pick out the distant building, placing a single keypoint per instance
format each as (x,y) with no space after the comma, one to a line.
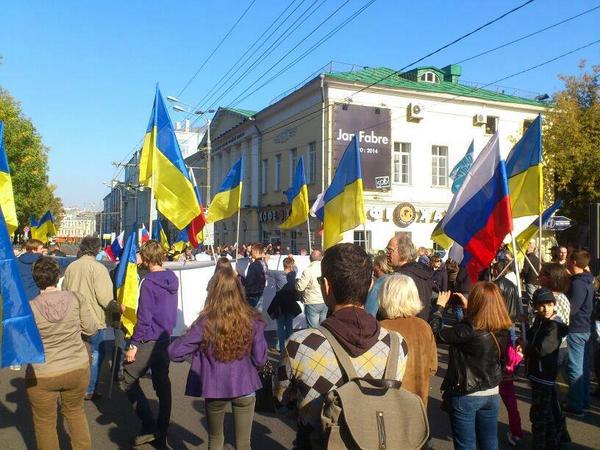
(77,223)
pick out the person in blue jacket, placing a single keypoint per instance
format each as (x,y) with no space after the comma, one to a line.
(34,250)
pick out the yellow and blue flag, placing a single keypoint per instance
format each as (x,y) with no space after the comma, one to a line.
(158,234)
(524,172)
(298,198)
(532,230)
(182,241)
(162,168)
(7,198)
(127,283)
(228,198)
(343,203)
(21,341)
(43,228)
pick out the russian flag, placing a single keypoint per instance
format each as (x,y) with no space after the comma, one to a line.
(145,236)
(479,217)
(115,249)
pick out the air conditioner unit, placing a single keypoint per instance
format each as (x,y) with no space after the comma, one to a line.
(479,119)
(415,111)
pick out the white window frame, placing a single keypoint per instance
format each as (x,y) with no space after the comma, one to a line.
(277,180)
(264,176)
(439,166)
(494,124)
(311,159)
(358,238)
(293,162)
(402,155)
(429,77)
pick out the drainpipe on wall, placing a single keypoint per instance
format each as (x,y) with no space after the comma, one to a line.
(324,165)
(259,181)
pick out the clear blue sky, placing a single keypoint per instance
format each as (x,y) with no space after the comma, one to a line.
(85,72)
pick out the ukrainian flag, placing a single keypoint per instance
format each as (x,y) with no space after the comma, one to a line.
(524,172)
(7,199)
(158,234)
(182,241)
(298,198)
(532,230)
(439,237)
(229,196)
(195,228)
(126,282)
(44,228)
(21,341)
(343,203)
(162,168)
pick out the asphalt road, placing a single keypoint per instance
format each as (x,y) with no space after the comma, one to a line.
(113,423)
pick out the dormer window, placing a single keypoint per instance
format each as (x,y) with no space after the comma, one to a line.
(429,77)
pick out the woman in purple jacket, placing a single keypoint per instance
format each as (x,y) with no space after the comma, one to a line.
(227,344)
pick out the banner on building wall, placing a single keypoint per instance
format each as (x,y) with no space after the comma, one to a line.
(374,130)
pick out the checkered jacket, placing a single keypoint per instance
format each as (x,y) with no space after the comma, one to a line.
(309,369)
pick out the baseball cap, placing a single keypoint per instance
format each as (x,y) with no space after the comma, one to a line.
(543,295)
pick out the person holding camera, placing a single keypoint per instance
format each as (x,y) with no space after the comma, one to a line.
(476,360)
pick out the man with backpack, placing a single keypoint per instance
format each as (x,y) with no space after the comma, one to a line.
(322,365)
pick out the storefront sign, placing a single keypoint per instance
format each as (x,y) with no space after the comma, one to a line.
(404,214)
(272,215)
(373,128)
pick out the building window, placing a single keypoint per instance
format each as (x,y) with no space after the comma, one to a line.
(401,162)
(293,242)
(311,167)
(429,77)
(264,173)
(439,166)
(293,161)
(526,124)
(491,126)
(277,180)
(359,239)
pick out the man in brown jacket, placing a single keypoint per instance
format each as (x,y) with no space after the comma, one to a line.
(90,279)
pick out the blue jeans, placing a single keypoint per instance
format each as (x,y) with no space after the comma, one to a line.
(285,327)
(315,314)
(474,422)
(256,303)
(578,370)
(96,342)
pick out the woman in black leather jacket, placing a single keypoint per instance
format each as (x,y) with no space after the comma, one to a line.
(477,347)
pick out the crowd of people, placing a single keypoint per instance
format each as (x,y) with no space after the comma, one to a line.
(367,318)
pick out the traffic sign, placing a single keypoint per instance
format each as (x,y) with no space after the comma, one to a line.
(558,223)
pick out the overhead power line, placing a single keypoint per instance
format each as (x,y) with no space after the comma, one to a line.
(514,41)
(216,48)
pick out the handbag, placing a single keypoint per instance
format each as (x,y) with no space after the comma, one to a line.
(265,400)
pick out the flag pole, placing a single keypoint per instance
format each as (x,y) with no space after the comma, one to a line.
(237,234)
(517,272)
(308,226)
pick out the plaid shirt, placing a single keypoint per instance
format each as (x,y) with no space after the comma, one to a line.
(309,368)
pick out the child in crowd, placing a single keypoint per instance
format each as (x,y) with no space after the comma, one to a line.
(543,341)
(227,344)
(507,391)
(156,317)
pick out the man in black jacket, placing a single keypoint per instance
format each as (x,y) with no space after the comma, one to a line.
(529,275)
(256,278)
(508,288)
(402,255)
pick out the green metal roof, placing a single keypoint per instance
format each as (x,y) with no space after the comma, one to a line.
(401,81)
(243,112)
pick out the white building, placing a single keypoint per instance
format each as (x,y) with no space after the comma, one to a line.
(415,127)
(77,223)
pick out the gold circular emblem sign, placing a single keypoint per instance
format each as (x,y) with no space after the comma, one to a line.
(404,215)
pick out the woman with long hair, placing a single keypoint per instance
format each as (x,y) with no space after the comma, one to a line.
(477,353)
(227,345)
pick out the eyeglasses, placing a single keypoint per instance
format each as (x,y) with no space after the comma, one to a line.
(390,250)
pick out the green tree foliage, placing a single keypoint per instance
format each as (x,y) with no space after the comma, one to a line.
(572,143)
(28,161)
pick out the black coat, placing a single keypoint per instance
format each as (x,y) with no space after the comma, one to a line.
(284,302)
(475,361)
(511,297)
(423,278)
(543,341)
(255,279)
